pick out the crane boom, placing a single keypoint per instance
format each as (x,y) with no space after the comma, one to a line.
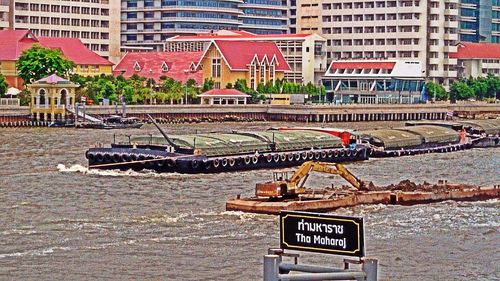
(295,184)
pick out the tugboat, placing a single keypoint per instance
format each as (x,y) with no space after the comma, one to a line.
(223,152)
(113,122)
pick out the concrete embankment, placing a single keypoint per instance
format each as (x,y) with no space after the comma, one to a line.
(295,113)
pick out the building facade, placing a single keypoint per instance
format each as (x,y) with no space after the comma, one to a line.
(255,62)
(146,24)
(4,14)
(95,22)
(480,21)
(14,42)
(425,31)
(304,53)
(374,81)
(477,59)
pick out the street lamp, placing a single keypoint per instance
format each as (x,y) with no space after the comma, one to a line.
(186,72)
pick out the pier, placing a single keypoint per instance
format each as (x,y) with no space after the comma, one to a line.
(15,116)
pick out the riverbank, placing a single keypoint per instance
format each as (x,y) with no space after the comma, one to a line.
(294,113)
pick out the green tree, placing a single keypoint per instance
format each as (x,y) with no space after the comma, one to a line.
(38,62)
(229,85)
(208,84)
(493,84)
(3,85)
(436,90)
(459,90)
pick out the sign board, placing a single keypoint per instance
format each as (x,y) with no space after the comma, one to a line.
(83,99)
(322,233)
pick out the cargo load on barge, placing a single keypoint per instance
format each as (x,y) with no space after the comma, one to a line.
(222,152)
(288,192)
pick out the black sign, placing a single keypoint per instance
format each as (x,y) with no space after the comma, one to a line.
(322,233)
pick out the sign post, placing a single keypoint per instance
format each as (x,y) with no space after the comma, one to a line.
(322,233)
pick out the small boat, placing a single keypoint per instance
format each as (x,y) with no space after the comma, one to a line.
(113,122)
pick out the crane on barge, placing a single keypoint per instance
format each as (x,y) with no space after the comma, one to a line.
(282,186)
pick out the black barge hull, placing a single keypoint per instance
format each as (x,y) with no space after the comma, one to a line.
(167,162)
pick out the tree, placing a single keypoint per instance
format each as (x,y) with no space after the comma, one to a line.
(3,85)
(459,90)
(229,85)
(38,62)
(208,84)
(437,91)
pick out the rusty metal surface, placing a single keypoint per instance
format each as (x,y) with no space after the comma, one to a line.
(331,201)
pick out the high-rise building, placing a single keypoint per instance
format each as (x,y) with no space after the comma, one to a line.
(146,24)
(4,14)
(480,21)
(425,31)
(95,22)
(264,17)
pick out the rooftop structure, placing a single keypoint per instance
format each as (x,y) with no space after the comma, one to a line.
(304,53)
(178,66)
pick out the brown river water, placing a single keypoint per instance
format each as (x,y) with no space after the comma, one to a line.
(60,221)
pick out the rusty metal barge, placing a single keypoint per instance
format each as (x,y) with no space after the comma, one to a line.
(289,193)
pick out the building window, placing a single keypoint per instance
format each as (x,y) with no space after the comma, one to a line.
(262,73)
(164,67)
(137,67)
(253,74)
(216,67)
(272,73)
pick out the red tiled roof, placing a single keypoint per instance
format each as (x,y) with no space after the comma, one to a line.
(240,54)
(362,65)
(150,64)
(224,92)
(74,50)
(14,42)
(477,51)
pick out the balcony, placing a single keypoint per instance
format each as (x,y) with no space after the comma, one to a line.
(451,24)
(451,12)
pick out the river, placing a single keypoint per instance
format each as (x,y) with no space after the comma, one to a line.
(60,221)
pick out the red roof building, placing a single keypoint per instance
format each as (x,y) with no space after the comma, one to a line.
(253,61)
(304,53)
(477,59)
(14,42)
(180,66)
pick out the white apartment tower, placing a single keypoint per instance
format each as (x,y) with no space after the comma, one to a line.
(423,30)
(95,22)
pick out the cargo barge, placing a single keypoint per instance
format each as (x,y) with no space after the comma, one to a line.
(223,152)
(289,193)
(284,147)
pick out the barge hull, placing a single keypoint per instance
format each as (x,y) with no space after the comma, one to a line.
(263,206)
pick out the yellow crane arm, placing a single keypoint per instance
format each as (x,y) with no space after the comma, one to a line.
(300,176)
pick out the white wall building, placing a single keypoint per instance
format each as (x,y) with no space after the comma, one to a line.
(374,81)
(414,30)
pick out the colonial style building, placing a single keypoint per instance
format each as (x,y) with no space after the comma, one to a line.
(223,97)
(256,62)
(95,22)
(14,42)
(304,53)
(50,97)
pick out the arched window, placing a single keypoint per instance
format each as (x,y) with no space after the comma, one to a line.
(63,97)
(42,94)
